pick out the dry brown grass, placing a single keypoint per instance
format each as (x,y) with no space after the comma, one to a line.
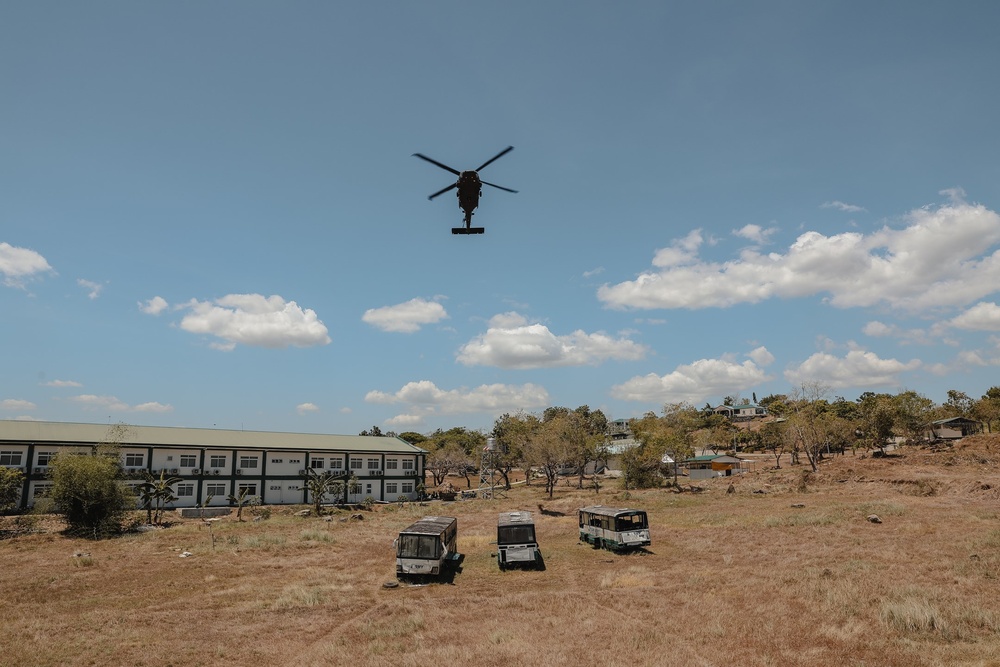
(740,579)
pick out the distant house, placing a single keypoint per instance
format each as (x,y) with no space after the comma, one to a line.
(712,465)
(954,428)
(743,412)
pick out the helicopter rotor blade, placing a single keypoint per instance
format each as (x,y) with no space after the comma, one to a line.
(441,192)
(436,163)
(499,187)
(496,157)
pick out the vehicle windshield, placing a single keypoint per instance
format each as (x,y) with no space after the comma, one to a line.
(635,521)
(515,534)
(418,546)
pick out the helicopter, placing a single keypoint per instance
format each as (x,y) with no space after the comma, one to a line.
(469,189)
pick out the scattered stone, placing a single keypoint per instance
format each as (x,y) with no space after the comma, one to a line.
(358,517)
(303,513)
(390,584)
(731,489)
(186,554)
(974,557)
(761,491)
(81,554)
(798,505)
(874,518)
(827,573)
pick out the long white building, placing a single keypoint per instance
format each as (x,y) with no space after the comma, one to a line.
(214,463)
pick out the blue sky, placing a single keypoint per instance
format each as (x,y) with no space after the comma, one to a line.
(210,215)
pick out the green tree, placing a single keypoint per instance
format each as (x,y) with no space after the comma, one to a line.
(512,432)
(912,414)
(11,482)
(550,448)
(987,408)
(155,493)
(318,484)
(241,500)
(88,491)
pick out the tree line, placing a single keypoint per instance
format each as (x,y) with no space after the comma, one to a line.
(806,424)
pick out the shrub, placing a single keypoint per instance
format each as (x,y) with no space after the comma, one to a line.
(88,492)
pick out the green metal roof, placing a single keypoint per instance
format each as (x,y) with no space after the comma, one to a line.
(65,433)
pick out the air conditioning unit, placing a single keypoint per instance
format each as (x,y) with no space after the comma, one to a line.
(302,472)
(196,471)
(173,471)
(38,471)
(239,471)
(216,472)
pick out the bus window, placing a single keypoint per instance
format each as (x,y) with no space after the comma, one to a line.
(418,546)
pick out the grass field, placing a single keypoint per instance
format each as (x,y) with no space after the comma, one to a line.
(768,575)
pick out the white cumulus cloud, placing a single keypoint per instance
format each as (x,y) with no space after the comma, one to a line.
(96,402)
(697,381)
(942,258)
(17,265)
(153,306)
(755,233)
(62,383)
(424,397)
(405,317)
(255,320)
(512,343)
(16,404)
(841,206)
(305,408)
(857,368)
(981,317)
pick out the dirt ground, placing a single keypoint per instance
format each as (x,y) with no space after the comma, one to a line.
(787,569)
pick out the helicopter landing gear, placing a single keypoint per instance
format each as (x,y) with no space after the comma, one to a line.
(468,230)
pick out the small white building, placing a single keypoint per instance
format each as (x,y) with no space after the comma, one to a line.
(214,464)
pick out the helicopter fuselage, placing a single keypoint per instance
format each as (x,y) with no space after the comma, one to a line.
(470,189)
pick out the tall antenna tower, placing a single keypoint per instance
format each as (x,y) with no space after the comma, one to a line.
(488,472)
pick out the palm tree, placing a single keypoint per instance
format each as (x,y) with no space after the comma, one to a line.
(155,493)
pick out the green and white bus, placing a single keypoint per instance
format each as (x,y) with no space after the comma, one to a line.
(426,547)
(617,529)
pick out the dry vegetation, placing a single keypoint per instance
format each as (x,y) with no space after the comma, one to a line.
(769,575)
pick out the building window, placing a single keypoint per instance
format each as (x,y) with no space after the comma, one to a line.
(134,460)
(45,458)
(407,464)
(216,461)
(251,490)
(10,458)
(317,464)
(407,487)
(373,464)
(41,490)
(215,489)
(185,490)
(276,488)
(336,464)
(368,489)
(247,462)
(391,464)
(391,487)
(294,487)
(355,464)
(189,460)
(296,461)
